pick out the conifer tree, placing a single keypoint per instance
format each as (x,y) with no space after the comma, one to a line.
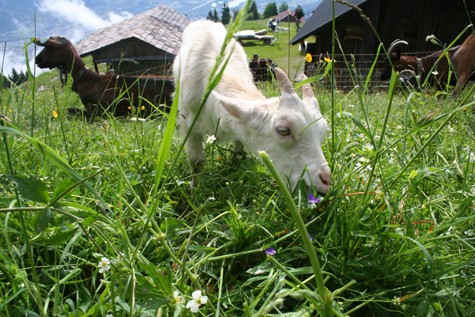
(253,13)
(283,7)
(210,16)
(270,10)
(225,14)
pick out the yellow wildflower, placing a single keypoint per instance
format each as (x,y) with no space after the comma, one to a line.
(55,114)
(308,58)
(142,108)
(327,59)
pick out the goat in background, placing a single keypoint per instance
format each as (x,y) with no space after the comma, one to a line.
(433,65)
(101,93)
(462,58)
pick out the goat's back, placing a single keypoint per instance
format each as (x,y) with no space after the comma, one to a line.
(201,45)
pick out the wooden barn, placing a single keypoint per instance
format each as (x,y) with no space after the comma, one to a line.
(409,20)
(146,43)
(286,16)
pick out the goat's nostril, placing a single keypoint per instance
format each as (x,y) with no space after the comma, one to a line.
(326,176)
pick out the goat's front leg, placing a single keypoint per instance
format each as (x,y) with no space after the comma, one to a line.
(196,155)
(462,80)
(238,147)
(238,152)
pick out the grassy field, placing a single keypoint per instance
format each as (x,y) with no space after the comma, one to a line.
(286,56)
(97,219)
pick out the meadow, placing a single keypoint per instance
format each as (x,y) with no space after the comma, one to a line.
(97,219)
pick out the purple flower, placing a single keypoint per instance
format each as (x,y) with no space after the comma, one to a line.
(270,251)
(313,200)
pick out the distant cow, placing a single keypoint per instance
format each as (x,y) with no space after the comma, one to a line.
(105,93)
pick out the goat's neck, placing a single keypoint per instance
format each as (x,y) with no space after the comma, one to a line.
(77,68)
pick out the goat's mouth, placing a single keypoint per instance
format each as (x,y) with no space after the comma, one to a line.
(44,64)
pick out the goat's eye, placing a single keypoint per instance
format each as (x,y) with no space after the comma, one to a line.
(283,131)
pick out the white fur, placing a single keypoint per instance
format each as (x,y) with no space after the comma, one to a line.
(237,111)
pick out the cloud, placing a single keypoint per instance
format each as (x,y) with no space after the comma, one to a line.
(235,3)
(205,3)
(76,11)
(81,20)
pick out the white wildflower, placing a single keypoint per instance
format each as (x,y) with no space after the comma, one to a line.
(368,147)
(198,300)
(210,139)
(104,265)
(178,298)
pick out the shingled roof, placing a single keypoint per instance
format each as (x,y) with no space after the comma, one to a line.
(160,27)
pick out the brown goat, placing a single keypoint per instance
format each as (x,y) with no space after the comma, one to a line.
(101,93)
(433,65)
(464,62)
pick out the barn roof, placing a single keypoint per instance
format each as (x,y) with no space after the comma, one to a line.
(322,15)
(282,15)
(160,27)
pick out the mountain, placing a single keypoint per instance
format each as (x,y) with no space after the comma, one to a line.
(75,19)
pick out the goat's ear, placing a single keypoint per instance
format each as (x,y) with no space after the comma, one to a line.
(233,106)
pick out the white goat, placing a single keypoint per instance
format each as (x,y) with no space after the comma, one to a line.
(291,130)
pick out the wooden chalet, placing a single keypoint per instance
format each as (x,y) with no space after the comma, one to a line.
(409,20)
(146,43)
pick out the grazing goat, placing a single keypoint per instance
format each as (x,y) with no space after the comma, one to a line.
(102,93)
(422,67)
(291,130)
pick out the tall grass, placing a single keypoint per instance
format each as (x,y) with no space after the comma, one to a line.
(395,236)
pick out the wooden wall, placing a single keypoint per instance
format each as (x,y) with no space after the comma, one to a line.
(411,20)
(133,56)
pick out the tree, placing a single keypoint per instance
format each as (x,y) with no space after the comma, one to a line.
(253,13)
(213,15)
(225,14)
(210,16)
(14,76)
(283,7)
(17,78)
(270,10)
(5,83)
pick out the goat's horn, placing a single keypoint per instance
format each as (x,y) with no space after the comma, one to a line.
(395,44)
(284,83)
(307,91)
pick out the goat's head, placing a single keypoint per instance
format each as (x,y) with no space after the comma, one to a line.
(57,52)
(394,61)
(291,130)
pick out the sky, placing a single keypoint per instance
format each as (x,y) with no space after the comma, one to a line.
(76,12)
(74,19)
(81,20)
